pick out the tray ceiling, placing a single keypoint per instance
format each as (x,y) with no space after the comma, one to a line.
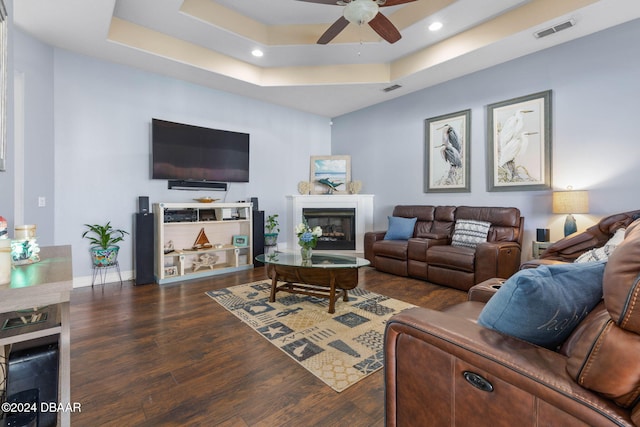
(210,42)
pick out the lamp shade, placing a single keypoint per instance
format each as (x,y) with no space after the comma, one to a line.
(570,202)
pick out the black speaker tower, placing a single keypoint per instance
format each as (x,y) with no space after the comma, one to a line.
(258,236)
(143,248)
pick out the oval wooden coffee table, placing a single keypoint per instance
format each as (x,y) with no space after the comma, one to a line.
(326,275)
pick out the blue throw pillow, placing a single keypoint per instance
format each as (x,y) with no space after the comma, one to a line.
(544,305)
(400,228)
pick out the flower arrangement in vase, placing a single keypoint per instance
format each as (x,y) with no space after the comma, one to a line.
(307,238)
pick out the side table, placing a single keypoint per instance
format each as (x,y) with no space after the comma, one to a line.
(45,283)
(539,247)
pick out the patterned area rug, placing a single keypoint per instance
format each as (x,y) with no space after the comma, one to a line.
(340,348)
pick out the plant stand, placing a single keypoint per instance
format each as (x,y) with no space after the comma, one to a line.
(271,249)
(100,271)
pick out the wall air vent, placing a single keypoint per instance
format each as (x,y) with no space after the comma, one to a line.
(390,88)
(552,30)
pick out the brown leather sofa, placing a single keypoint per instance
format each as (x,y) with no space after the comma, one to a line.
(428,255)
(442,368)
(571,247)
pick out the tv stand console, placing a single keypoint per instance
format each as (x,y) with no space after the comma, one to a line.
(196,240)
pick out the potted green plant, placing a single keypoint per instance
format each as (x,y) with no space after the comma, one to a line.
(104,251)
(272,229)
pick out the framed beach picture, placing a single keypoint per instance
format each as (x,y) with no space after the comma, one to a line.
(447,156)
(519,143)
(330,174)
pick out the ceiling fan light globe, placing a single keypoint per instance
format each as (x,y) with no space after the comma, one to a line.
(360,11)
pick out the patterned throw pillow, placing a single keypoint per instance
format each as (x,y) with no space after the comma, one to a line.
(603,253)
(469,233)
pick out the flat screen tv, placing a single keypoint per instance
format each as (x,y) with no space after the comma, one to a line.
(187,152)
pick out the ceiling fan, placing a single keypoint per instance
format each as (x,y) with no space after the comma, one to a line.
(362,12)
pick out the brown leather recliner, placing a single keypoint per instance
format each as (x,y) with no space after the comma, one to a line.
(442,368)
(574,245)
(429,255)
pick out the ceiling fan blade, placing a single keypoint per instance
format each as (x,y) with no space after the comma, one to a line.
(334,2)
(333,30)
(385,28)
(393,2)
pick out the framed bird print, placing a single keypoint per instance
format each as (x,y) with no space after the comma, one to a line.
(446,153)
(519,143)
(330,174)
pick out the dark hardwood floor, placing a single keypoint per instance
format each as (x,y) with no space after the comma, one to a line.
(169,355)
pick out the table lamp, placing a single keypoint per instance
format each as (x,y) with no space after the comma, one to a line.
(570,202)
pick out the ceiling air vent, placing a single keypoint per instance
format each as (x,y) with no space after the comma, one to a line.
(390,88)
(552,30)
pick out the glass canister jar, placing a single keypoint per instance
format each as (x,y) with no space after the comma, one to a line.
(5,261)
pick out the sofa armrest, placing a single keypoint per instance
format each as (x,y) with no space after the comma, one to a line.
(497,259)
(482,292)
(534,263)
(427,354)
(370,237)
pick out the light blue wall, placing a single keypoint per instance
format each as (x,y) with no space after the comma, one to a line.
(97,148)
(6,178)
(87,129)
(31,58)
(595,147)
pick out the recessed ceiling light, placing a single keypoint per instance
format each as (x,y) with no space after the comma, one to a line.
(257,52)
(435,26)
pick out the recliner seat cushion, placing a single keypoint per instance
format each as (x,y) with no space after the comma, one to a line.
(391,249)
(452,257)
(545,304)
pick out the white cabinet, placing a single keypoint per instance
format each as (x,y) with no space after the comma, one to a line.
(195,240)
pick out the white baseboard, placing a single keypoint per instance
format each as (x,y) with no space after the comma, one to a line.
(110,277)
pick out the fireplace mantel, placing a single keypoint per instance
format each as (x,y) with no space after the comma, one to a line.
(362,203)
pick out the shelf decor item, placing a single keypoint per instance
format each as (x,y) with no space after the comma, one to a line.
(24,251)
(304,187)
(307,238)
(205,260)
(354,187)
(330,174)
(202,241)
(24,248)
(240,241)
(104,253)
(5,261)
